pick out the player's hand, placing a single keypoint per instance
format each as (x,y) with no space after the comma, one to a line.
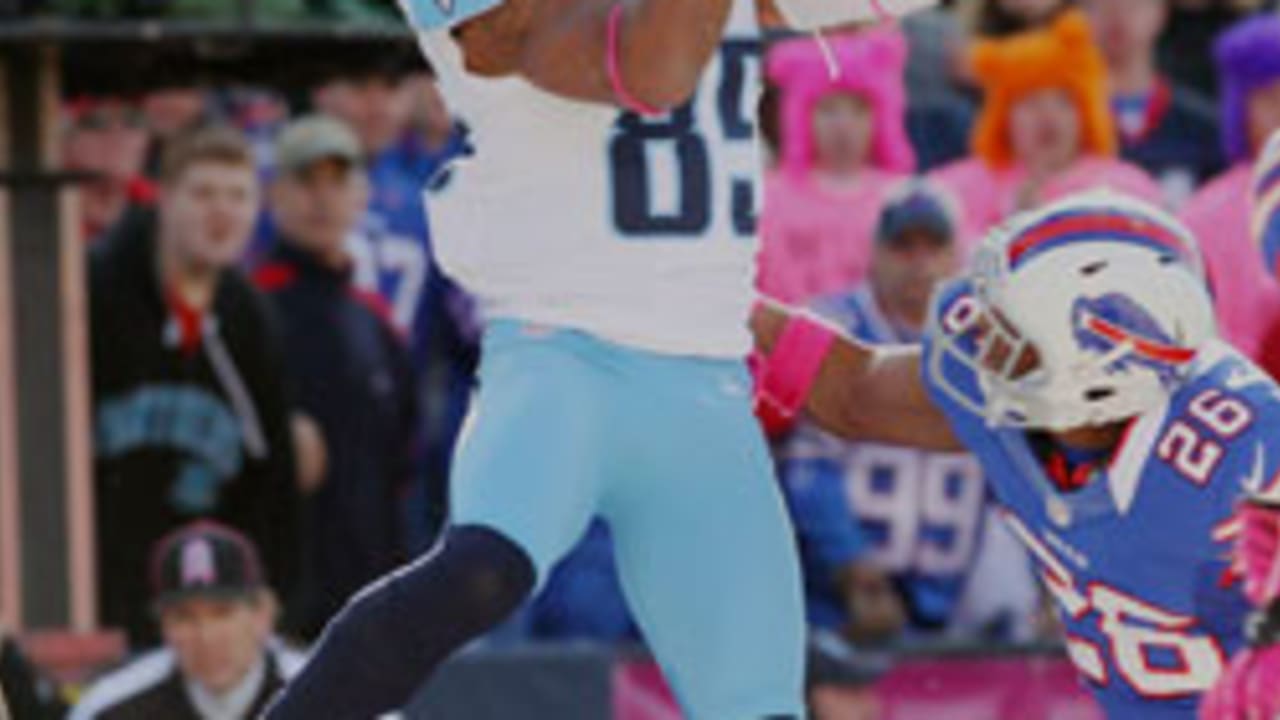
(310,451)
(1258,551)
(1248,690)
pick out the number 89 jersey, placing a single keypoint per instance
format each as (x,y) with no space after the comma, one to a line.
(1138,560)
(638,230)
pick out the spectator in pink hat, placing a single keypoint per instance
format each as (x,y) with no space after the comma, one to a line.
(843,147)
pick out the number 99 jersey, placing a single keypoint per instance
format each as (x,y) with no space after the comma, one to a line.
(1137,560)
(637,230)
(918,516)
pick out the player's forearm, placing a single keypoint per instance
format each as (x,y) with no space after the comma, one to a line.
(863,392)
(875,393)
(663,47)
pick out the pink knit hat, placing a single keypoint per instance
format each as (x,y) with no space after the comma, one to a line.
(871,65)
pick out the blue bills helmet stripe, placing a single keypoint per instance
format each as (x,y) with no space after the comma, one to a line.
(1265,197)
(1266,217)
(1267,182)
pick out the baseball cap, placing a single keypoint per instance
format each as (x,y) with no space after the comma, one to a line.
(312,138)
(205,559)
(916,208)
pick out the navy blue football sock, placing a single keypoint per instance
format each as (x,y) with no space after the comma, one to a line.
(393,635)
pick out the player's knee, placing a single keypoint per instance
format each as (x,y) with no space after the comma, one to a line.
(490,574)
(474,580)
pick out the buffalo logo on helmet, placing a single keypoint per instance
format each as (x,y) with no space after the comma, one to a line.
(1114,320)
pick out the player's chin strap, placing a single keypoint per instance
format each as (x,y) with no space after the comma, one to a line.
(882,15)
(828,56)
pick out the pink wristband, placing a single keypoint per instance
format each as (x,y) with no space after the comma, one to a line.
(613,64)
(793,366)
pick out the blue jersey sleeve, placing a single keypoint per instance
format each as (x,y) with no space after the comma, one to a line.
(814,488)
(437,14)
(1235,408)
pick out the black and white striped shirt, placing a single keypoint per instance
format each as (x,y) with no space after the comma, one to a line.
(152,686)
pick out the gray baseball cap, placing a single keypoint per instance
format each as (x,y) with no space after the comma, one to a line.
(313,138)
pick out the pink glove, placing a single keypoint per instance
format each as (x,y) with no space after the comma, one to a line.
(1248,690)
(1258,551)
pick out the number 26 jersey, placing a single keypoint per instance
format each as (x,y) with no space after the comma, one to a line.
(638,230)
(1138,560)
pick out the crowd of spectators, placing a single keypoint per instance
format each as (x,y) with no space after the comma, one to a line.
(275,349)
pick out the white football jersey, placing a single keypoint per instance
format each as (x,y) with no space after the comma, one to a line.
(637,230)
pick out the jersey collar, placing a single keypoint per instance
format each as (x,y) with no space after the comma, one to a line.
(1136,447)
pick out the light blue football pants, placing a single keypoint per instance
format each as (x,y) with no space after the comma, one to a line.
(666,450)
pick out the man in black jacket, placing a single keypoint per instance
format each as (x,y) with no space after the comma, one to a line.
(190,412)
(1166,129)
(351,368)
(220,660)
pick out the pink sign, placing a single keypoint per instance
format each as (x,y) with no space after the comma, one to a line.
(995,688)
(925,689)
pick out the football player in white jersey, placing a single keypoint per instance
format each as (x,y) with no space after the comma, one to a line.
(613,258)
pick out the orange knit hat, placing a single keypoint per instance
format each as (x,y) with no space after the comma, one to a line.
(1061,56)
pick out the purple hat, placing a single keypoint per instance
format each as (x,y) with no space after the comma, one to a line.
(1248,58)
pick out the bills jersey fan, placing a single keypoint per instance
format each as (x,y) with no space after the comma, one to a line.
(919,516)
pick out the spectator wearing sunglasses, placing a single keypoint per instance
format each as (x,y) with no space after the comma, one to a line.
(107,138)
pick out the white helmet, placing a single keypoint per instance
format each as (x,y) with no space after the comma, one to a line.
(1084,313)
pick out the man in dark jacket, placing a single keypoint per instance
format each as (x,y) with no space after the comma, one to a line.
(220,660)
(1168,130)
(350,366)
(190,411)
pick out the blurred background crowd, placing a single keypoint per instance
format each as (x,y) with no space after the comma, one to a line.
(277,354)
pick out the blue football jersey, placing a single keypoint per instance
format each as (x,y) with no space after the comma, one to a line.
(1137,560)
(393,251)
(917,515)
